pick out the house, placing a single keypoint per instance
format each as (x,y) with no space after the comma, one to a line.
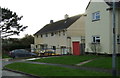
(98,27)
(64,36)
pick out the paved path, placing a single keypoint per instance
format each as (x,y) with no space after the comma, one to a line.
(10,74)
(84,62)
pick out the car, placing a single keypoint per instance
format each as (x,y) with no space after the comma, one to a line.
(21,53)
(50,52)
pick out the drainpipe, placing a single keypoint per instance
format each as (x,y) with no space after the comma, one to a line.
(69,44)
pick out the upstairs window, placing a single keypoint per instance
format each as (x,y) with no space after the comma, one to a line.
(96,16)
(37,36)
(52,34)
(63,32)
(41,35)
(46,35)
(59,33)
(118,39)
(95,39)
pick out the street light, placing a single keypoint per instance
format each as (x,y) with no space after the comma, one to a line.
(114,41)
(114,5)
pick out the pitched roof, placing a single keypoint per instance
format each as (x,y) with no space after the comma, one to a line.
(59,25)
(108,3)
(117,4)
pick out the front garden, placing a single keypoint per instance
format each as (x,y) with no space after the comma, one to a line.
(103,62)
(67,60)
(98,62)
(46,70)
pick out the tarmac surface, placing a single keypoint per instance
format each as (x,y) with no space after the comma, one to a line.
(11,74)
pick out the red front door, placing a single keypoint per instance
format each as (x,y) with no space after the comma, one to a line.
(76,48)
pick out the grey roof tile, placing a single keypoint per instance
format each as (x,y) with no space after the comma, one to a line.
(117,4)
(59,25)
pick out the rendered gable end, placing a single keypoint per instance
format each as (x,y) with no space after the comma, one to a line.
(101,28)
(77,28)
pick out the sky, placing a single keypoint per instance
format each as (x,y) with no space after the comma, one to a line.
(37,13)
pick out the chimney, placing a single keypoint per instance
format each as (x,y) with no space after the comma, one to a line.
(66,16)
(51,21)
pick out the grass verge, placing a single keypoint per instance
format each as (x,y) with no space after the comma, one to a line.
(103,62)
(67,60)
(46,70)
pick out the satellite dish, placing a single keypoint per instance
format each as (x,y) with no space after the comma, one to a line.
(110,3)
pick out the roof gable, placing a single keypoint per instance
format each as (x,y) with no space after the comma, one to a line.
(88,4)
(59,25)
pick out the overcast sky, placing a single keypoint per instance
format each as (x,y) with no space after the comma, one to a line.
(38,13)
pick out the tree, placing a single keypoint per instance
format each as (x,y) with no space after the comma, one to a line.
(17,43)
(10,23)
(28,39)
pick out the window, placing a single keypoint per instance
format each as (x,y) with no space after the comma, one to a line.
(118,39)
(41,36)
(96,39)
(54,47)
(96,16)
(36,46)
(46,35)
(56,33)
(52,34)
(37,36)
(59,33)
(63,32)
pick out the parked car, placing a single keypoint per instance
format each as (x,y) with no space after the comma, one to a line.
(21,53)
(50,52)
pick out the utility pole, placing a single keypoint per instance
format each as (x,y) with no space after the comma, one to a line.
(114,73)
(0,45)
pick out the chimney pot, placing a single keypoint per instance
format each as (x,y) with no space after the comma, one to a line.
(66,16)
(51,21)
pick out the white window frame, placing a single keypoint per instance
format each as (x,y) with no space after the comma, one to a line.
(46,35)
(64,33)
(118,39)
(52,34)
(41,35)
(96,16)
(37,36)
(95,39)
(59,33)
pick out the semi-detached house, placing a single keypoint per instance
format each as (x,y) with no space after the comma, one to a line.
(65,36)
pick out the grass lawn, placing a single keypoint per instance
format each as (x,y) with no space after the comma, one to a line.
(46,70)
(67,60)
(103,62)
